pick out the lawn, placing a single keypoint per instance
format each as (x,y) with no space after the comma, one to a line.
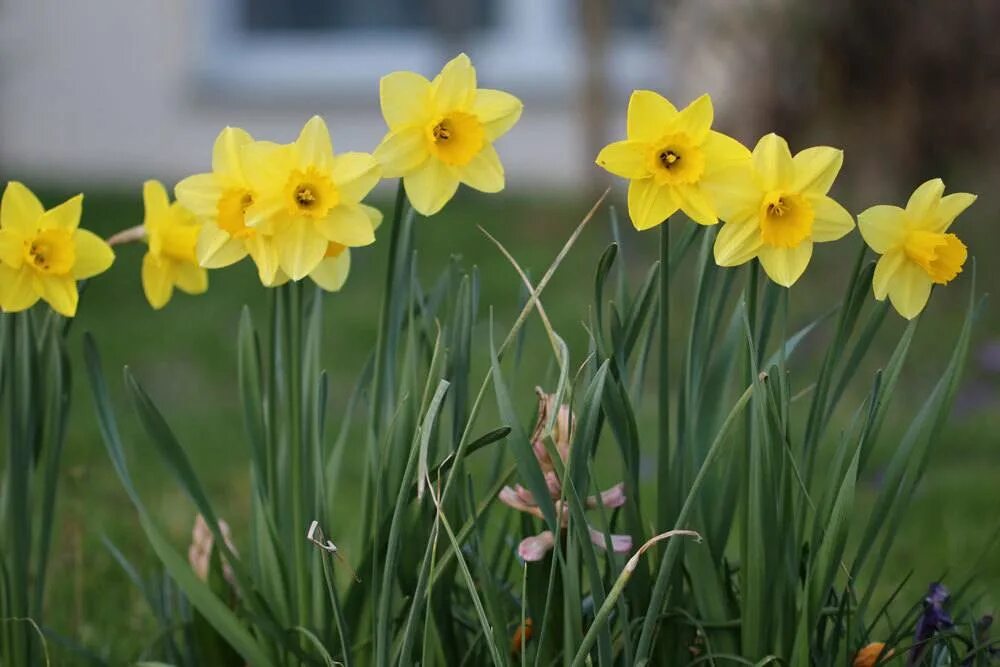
(186,359)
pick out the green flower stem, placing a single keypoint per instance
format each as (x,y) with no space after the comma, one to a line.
(297,444)
(665,490)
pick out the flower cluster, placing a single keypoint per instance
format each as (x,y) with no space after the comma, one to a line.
(774,205)
(535,547)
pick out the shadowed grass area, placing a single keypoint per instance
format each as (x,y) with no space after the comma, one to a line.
(185,356)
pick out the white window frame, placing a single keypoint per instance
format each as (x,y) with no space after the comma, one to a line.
(534,49)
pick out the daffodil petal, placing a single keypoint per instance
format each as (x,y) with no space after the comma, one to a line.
(19,292)
(404,98)
(155,202)
(949,208)
(695,119)
(191,278)
(313,146)
(695,204)
(831,221)
(785,265)
(909,290)
(773,162)
(265,256)
(484,172)
(497,111)
(331,273)
(882,227)
(157,280)
(346,224)
(885,269)
(374,215)
(734,193)
(649,203)
(20,208)
(402,151)
(64,216)
(12,248)
(648,114)
(624,158)
(199,194)
(924,200)
(431,186)
(299,248)
(815,169)
(722,152)
(737,243)
(265,163)
(455,86)
(93,255)
(60,293)
(355,174)
(227,149)
(217,249)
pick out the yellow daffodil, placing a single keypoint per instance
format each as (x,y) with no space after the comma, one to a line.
(777,208)
(219,200)
(43,253)
(441,133)
(917,250)
(172,233)
(669,157)
(304,199)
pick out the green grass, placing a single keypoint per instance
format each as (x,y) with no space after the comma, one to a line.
(185,356)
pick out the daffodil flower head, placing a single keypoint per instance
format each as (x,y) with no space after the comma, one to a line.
(669,157)
(306,198)
(441,133)
(43,253)
(776,207)
(172,234)
(917,251)
(219,201)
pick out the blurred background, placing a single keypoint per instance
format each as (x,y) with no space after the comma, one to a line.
(99,96)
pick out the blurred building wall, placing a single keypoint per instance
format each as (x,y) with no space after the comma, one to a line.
(117,91)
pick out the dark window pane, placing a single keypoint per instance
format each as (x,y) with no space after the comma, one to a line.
(327,15)
(633,14)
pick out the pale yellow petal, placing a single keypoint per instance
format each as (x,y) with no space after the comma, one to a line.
(265,255)
(157,280)
(885,270)
(354,175)
(949,208)
(695,119)
(883,227)
(484,171)
(20,208)
(737,243)
(7,277)
(217,249)
(64,216)
(266,165)
(313,147)
(12,247)
(649,203)
(431,186)
(723,152)
(374,215)
(815,169)
(831,221)
(279,279)
(190,278)
(300,248)
(93,255)
(773,162)
(909,289)
(624,158)
(227,152)
(20,293)
(405,99)
(648,115)
(497,111)
(331,273)
(455,86)
(734,193)
(785,265)
(402,151)
(924,201)
(200,194)
(155,202)
(60,293)
(695,204)
(346,224)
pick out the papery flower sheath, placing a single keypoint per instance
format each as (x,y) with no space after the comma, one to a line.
(44,253)
(917,250)
(441,133)
(669,156)
(776,207)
